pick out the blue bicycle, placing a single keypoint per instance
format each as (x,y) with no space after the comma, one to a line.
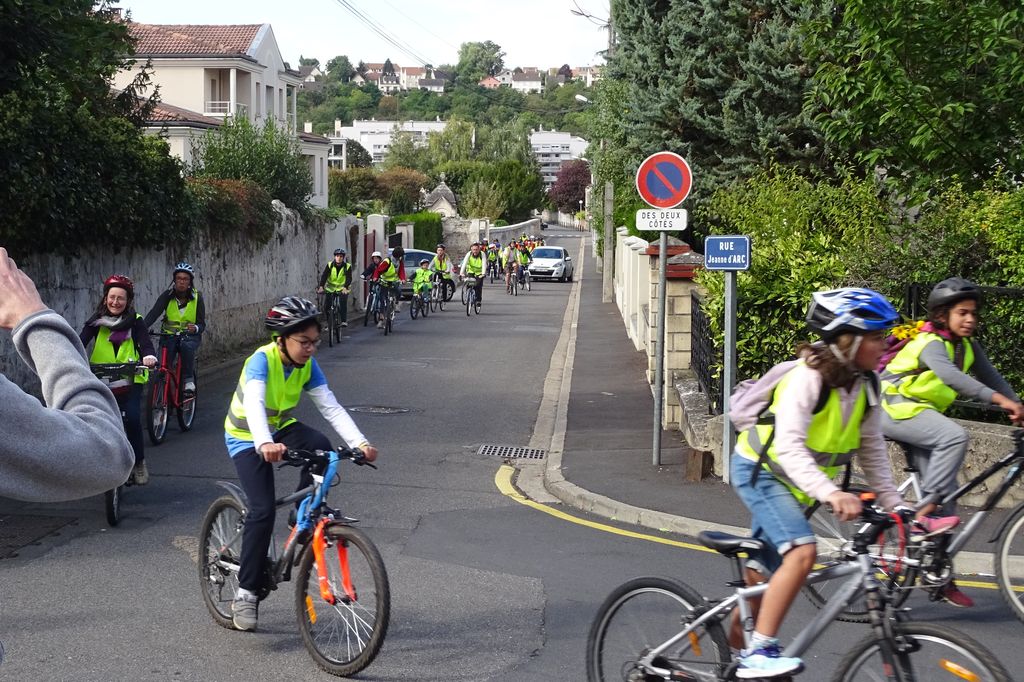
(342,595)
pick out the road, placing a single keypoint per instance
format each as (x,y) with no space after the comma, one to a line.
(483,587)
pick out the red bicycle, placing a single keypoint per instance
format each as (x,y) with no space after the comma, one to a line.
(165,393)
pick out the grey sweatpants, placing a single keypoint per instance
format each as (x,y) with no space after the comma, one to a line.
(938,445)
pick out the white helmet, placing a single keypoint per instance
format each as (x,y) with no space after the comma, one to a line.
(376,254)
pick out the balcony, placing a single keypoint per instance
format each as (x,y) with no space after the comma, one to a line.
(214,108)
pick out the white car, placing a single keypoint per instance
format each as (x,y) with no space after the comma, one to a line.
(551,262)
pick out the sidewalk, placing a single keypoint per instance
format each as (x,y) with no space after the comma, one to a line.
(607,455)
(604,464)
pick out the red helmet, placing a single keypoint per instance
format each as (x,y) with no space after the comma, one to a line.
(122,281)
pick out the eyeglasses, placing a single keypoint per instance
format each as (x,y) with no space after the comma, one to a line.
(309,344)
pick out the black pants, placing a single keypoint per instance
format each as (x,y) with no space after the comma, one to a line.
(479,288)
(342,303)
(131,404)
(257,479)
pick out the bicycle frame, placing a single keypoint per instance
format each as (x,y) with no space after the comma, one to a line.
(1014,461)
(859,577)
(172,398)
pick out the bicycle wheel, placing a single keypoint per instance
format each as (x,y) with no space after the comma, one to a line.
(1010,562)
(112,505)
(337,319)
(639,615)
(156,407)
(463,294)
(470,298)
(834,542)
(187,409)
(526,281)
(476,304)
(424,306)
(440,298)
(389,315)
(344,637)
(929,653)
(449,290)
(371,304)
(414,309)
(220,550)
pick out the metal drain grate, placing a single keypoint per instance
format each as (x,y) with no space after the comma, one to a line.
(511,452)
(377,409)
(17,531)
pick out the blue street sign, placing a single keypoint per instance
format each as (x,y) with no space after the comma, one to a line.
(729,252)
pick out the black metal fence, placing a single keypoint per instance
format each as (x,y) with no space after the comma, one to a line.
(705,354)
(1000,330)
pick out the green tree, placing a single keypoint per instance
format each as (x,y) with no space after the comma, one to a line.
(477,60)
(340,69)
(267,155)
(506,141)
(308,61)
(357,156)
(927,89)
(481,198)
(75,166)
(521,186)
(570,186)
(403,152)
(454,143)
(352,189)
(721,82)
(401,188)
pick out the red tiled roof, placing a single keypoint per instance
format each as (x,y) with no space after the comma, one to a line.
(168,113)
(193,39)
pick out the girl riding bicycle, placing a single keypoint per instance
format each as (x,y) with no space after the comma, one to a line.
(924,378)
(786,460)
(120,335)
(259,430)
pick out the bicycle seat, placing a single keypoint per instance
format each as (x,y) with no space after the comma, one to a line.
(727,544)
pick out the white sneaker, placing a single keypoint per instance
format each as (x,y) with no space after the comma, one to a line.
(766,662)
(190,386)
(344,324)
(380,325)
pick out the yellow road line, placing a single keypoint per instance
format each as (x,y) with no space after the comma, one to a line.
(503,481)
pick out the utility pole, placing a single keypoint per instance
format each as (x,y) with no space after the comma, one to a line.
(608,257)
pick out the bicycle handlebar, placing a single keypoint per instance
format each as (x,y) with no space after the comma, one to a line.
(114,370)
(321,457)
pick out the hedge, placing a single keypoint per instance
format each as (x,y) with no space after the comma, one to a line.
(428,231)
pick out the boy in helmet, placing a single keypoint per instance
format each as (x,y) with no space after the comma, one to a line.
(183,310)
(924,378)
(259,430)
(336,280)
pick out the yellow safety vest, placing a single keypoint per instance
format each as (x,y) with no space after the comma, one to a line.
(176,319)
(103,354)
(831,443)
(336,277)
(523,257)
(281,397)
(475,265)
(440,265)
(391,274)
(909,389)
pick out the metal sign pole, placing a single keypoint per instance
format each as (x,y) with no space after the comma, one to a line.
(729,369)
(659,346)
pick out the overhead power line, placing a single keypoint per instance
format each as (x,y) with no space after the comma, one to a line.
(370,23)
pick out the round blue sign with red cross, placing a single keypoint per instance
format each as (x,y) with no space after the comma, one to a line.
(664,180)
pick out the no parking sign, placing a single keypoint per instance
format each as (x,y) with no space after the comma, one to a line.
(664,180)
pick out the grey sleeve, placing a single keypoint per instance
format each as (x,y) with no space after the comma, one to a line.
(988,374)
(157,310)
(935,357)
(73,446)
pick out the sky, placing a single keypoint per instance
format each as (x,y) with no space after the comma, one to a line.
(541,33)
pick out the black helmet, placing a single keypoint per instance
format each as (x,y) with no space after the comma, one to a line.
(339,252)
(290,312)
(398,252)
(953,290)
(849,310)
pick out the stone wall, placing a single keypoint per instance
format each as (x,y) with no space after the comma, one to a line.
(239,281)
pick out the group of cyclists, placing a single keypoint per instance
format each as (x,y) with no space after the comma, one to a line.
(388,271)
(120,335)
(830,404)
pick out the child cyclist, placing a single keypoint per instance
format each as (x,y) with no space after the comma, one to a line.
(806,451)
(924,378)
(421,285)
(259,430)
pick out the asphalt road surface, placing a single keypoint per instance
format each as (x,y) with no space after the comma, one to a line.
(483,587)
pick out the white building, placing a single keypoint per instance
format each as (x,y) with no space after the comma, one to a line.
(552,147)
(208,72)
(375,136)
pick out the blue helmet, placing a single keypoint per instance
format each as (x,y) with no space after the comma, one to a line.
(849,310)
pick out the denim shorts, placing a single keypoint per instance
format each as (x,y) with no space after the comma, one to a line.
(777,518)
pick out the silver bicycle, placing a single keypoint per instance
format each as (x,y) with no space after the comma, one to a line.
(661,629)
